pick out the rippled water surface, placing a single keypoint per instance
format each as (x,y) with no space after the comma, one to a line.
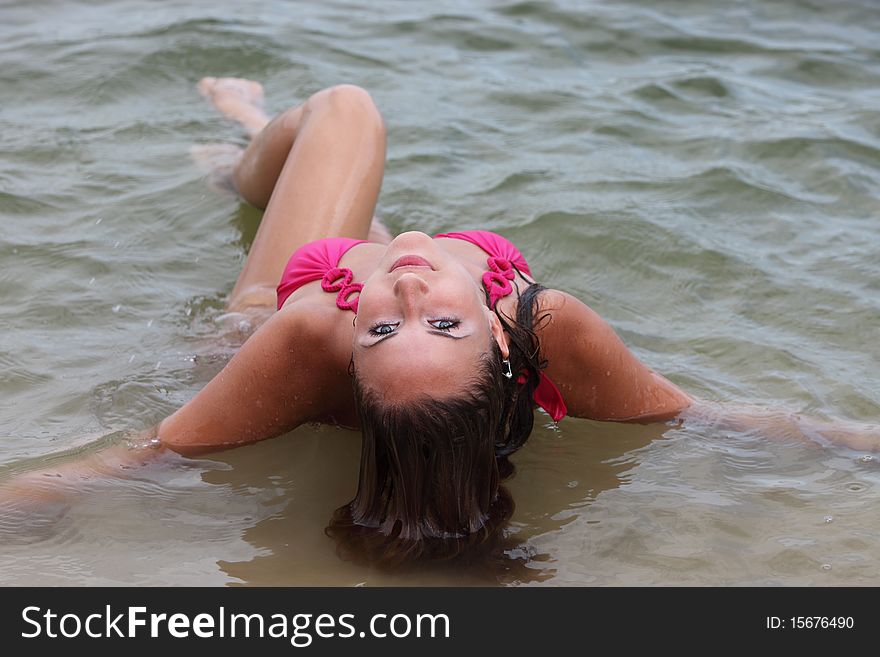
(705,175)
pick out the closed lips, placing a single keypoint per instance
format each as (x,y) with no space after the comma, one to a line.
(410,261)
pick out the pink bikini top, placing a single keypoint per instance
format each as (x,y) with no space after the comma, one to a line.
(319,260)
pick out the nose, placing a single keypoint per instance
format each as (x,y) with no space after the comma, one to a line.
(410,287)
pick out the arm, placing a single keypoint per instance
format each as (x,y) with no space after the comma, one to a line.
(600,379)
(273,384)
(598,376)
(781,424)
(276,382)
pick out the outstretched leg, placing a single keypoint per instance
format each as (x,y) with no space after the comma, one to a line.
(315,168)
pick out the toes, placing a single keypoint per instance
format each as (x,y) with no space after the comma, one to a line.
(206,86)
(229,94)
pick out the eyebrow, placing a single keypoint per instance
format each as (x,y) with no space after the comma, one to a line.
(442,334)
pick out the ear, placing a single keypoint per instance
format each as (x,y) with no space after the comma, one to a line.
(498,333)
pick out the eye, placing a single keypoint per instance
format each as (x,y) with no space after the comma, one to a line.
(445,324)
(383,328)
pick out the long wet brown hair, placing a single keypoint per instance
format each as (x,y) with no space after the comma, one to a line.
(431,469)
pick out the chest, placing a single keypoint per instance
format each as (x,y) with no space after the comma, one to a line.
(341,285)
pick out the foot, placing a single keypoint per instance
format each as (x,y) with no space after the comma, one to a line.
(237,98)
(217,162)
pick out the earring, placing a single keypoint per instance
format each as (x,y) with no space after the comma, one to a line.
(505,369)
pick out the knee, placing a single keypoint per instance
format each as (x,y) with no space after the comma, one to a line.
(347,102)
(347,95)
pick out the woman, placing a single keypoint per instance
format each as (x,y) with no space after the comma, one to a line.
(436,348)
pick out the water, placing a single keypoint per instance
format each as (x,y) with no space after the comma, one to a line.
(706,177)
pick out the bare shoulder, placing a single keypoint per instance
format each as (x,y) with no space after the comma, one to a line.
(320,332)
(323,331)
(550,300)
(562,321)
(309,319)
(558,313)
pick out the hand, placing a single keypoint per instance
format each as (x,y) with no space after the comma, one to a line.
(778,423)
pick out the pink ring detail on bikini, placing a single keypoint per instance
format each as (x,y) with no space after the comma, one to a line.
(497,280)
(339,280)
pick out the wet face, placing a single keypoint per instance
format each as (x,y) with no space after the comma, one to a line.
(422,322)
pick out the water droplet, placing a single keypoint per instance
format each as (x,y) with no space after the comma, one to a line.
(607,372)
(828,519)
(131,358)
(867,458)
(116,244)
(158,364)
(149,323)
(188,312)
(826,566)
(91,280)
(98,220)
(14,251)
(117,308)
(572,484)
